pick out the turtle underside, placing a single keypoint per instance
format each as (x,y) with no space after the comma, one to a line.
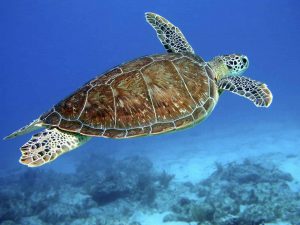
(150,95)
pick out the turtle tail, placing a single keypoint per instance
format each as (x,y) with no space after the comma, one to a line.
(36,124)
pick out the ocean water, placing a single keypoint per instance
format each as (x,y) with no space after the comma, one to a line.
(239,166)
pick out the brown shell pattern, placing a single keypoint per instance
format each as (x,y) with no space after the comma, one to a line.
(150,95)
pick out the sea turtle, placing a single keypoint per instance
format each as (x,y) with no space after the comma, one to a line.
(150,95)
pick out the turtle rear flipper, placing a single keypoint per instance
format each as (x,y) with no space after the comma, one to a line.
(47,145)
(35,125)
(254,90)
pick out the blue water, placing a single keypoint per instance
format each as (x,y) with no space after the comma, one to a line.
(48,49)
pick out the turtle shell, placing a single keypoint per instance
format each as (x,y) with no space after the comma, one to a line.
(149,95)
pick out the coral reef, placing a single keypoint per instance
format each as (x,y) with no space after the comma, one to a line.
(105,191)
(24,194)
(110,191)
(131,178)
(241,194)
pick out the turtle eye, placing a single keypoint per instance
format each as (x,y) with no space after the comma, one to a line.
(245,60)
(229,67)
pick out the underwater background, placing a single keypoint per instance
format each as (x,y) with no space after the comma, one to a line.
(241,166)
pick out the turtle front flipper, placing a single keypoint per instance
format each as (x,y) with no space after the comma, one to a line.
(169,35)
(254,90)
(47,145)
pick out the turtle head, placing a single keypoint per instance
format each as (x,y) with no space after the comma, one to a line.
(236,64)
(229,65)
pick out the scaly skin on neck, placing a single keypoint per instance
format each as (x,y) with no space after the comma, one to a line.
(219,67)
